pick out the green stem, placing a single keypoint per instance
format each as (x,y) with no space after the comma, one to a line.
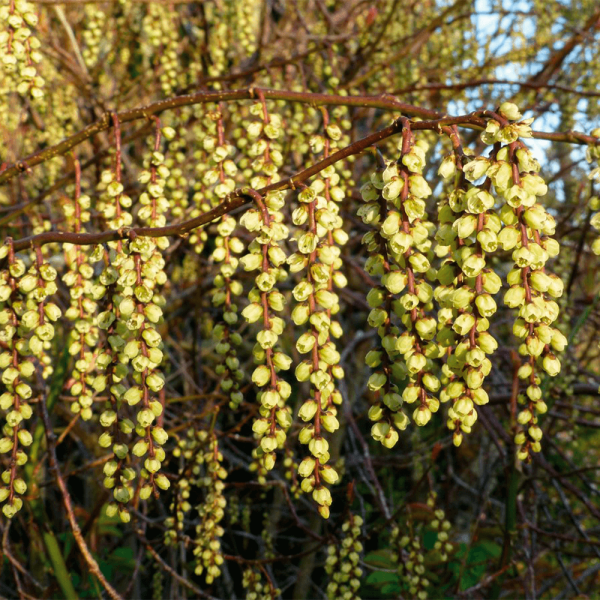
(59,567)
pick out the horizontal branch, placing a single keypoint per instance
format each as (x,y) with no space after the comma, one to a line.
(480,82)
(384,102)
(235,200)
(59,183)
(145,112)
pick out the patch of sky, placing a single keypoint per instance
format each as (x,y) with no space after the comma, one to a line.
(519,15)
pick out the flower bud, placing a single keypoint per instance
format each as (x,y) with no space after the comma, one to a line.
(422,416)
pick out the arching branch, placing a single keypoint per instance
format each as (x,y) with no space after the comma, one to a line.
(145,112)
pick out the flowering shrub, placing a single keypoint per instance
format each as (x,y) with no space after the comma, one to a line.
(262,321)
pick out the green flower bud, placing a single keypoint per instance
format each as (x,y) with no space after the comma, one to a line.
(464,323)
(121,494)
(281,361)
(486,305)
(303,371)
(422,416)
(270,399)
(305,342)
(330,422)
(510,111)
(329,474)
(162,481)
(391,190)
(107,418)
(473,265)
(326,299)
(306,467)
(145,492)
(6,445)
(318,447)
(252,312)
(391,224)
(480,396)
(145,417)
(476,169)
(133,395)
(535,433)
(261,375)
(152,465)
(410,394)
(308,410)
(10,510)
(160,435)
(105,440)
(322,496)
(508,238)
(551,365)
(426,328)
(447,167)
(515,296)
(268,444)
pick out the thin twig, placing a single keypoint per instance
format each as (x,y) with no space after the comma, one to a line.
(87,555)
(173,573)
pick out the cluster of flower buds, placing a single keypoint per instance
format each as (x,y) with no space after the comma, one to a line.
(441,526)
(154,206)
(178,181)
(247,25)
(93,33)
(160,27)
(84,336)
(110,373)
(26,330)
(527,233)
(141,275)
(158,592)
(113,203)
(291,473)
(410,557)
(255,588)
(332,235)
(593,154)
(509,129)
(267,535)
(207,172)
(218,23)
(342,562)
(219,179)
(386,361)
(400,253)
(214,165)
(189,451)
(409,547)
(316,302)
(263,147)
(209,557)
(130,282)
(266,256)
(20,49)
(468,231)
(227,288)
(301,124)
